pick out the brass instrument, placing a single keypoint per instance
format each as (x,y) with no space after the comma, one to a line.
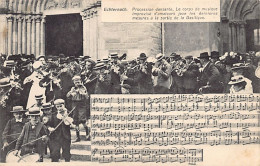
(180,68)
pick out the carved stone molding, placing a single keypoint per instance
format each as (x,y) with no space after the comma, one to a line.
(19,18)
(10,18)
(28,18)
(51,4)
(38,18)
(88,13)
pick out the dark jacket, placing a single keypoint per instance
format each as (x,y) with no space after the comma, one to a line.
(62,131)
(12,130)
(41,130)
(103,87)
(211,76)
(190,76)
(145,81)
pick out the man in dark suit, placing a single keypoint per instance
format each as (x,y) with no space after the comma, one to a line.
(103,84)
(33,138)
(209,81)
(221,68)
(116,71)
(13,129)
(145,81)
(190,76)
(61,137)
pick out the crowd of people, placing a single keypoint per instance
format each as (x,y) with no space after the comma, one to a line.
(49,95)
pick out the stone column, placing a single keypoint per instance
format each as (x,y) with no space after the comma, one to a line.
(42,52)
(28,22)
(233,36)
(85,19)
(10,34)
(14,48)
(38,35)
(24,37)
(19,35)
(243,36)
(95,33)
(33,50)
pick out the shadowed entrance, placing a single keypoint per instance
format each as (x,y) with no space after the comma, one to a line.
(64,34)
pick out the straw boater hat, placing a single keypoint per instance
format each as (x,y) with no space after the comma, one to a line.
(159,56)
(114,55)
(239,66)
(18,109)
(34,111)
(46,106)
(9,63)
(59,101)
(236,79)
(99,66)
(38,96)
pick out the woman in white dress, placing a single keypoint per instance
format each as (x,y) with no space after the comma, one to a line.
(36,89)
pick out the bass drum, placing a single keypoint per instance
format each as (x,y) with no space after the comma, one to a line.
(30,158)
(12,158)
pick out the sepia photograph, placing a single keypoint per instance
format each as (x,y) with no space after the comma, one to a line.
(109,81)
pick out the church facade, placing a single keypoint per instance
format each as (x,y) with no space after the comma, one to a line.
(28,27)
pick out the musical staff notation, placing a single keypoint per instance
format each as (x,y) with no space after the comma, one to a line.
(124,123)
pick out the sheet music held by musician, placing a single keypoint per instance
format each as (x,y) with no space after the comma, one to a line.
(180,129)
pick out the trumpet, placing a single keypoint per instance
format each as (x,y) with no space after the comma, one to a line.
(180,68)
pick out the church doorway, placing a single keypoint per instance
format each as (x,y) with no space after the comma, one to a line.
(64,34)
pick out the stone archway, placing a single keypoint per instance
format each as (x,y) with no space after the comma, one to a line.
(25,24)
(233,21)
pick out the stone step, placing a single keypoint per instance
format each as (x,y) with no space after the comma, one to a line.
(82,145)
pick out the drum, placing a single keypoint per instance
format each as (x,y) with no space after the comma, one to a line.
(11,157)
(31,158)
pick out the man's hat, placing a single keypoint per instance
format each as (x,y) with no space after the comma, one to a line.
(203,55)
(236,79)
(9,63)
(239,66)
(214,54)
(41,56)
(38,96)
(114,55)
(173,55)
(91,61)
(99,65)
(76,78)
(105,60)
(159,56)
(59,101)
(189,57)
(34,111)
(46,106)
(142,56)
(177,57)
(17,109)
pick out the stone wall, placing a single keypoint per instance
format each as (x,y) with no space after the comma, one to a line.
(191,38)
(130,38)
